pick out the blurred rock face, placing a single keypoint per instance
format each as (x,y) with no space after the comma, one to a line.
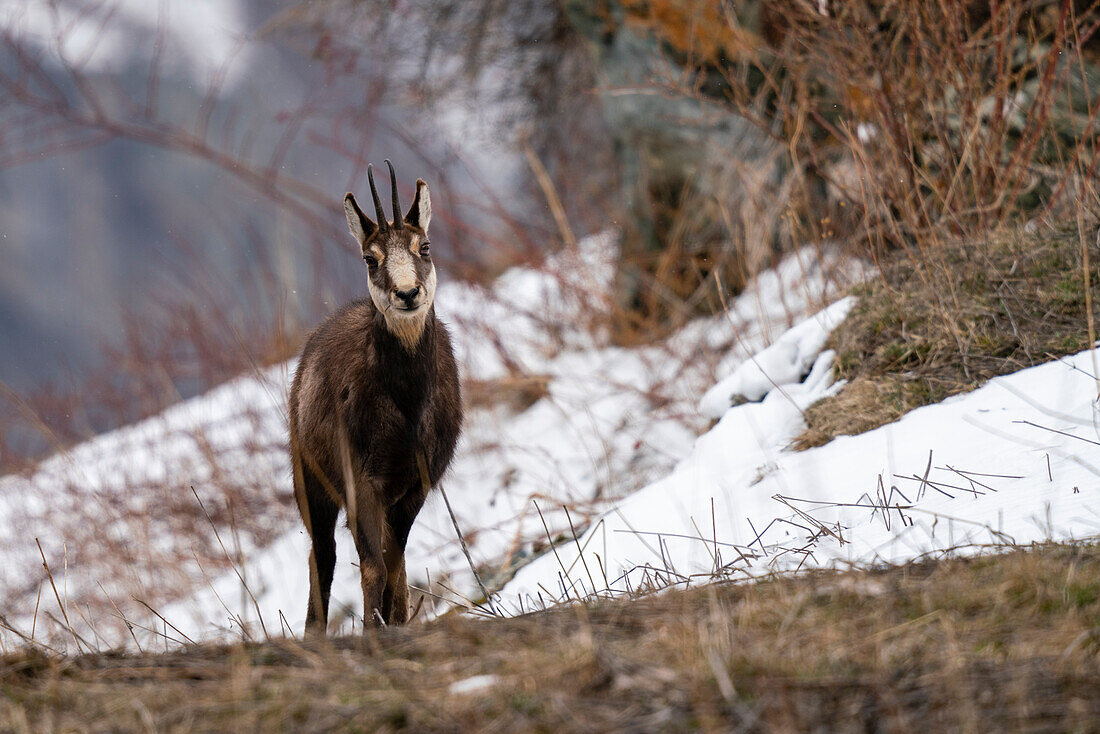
(689,167)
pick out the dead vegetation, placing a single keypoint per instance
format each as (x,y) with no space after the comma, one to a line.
(1005,642)
(515,392)
(927,136)
(945,321)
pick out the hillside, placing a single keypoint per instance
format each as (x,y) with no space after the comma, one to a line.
(577,477)
(776,326)
(173,513)
(939,568)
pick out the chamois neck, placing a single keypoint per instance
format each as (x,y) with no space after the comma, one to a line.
(406,338)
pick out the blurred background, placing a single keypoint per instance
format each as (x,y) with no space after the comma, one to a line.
(171,172)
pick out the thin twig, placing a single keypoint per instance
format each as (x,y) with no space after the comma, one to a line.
(551,194)
(121,616)
(580,551)
(422,465)
(57,596)
(1063,433)
(162,619)
(233,564)
(29,640)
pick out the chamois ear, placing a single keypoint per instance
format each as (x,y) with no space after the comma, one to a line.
(420,213)
(362,228)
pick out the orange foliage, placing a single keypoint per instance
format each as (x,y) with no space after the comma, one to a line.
(699,29)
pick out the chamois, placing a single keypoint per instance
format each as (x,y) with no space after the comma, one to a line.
(375,411)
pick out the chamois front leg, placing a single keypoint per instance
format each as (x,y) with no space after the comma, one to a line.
(365,519)
(322,563)
(399,520)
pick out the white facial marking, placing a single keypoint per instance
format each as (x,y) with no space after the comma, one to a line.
(380,297)
(400,264)
(402,269)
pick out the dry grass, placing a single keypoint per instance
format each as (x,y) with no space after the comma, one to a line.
(517,392)
(945,321)
(892,126)
(1005,642)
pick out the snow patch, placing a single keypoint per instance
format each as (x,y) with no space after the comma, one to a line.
(611,420)
(785,362)
(1012,463)
(474,684)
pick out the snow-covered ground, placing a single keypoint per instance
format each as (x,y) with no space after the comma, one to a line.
(1014,462)
(118,521)
(619,436)
(613,420)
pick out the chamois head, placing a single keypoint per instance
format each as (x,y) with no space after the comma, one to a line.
(401,275)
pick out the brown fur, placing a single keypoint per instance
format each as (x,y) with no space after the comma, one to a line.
(366,400)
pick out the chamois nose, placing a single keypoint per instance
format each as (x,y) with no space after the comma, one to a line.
(408,296)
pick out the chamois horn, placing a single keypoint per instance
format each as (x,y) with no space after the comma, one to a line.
(383,223)
(398,222)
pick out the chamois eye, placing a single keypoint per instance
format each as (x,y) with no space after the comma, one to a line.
(371,261)
(425,250)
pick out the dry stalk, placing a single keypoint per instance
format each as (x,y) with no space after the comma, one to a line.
(49,575)
(129,625)
(551,194)
(232,563)
(553,547)
(422,465)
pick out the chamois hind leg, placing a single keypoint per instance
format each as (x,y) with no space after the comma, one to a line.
(319,513)
(399,520)
(365,519)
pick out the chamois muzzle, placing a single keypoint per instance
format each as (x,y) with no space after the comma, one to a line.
(408,297)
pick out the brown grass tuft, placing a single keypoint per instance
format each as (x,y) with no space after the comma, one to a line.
(945,322)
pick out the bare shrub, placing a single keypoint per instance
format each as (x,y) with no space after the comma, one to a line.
(922,134)
(923,117)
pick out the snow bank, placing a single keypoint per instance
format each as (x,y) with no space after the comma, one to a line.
(109,510)
(1014,462)
(785,362)
(611,420)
